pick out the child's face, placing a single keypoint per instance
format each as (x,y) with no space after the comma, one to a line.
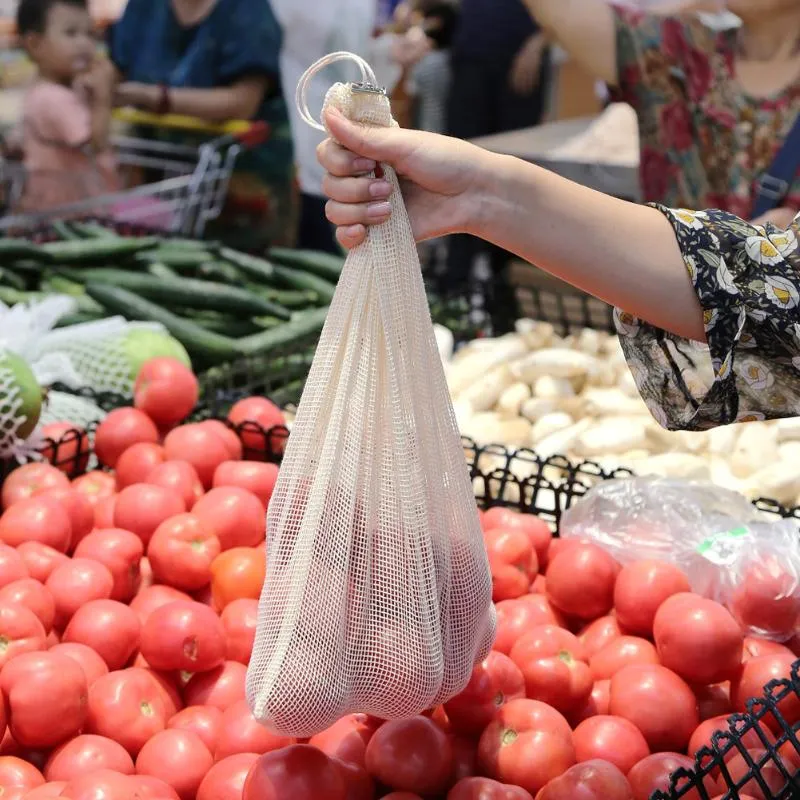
(67,46)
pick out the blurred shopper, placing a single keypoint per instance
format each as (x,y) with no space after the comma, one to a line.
(217,60)
(717,97)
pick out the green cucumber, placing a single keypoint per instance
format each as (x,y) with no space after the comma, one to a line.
(305,281)
(159,270)
(15,249)
(306,324)
(79,317)
(323,265)
(222,271)
(176,257)
(256,268)
(12,297)
(93,230)
(235,328)
(287,298)
(9,278)
(63,231)
(199,342)
(92,251)
(183,292)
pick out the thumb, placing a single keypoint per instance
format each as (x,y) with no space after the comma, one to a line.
(389,145)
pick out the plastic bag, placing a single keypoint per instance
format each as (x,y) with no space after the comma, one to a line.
(729,550)
(377,596)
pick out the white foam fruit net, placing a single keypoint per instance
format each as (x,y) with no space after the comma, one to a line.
(377,596)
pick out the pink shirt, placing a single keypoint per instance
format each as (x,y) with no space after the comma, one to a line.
(60,167)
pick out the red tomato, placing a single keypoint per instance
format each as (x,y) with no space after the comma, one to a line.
(299,771)
(260,425)
(204,449)
(713,700)
(166,390)
(39,559)
(402,796)
(122,428)
(75,583)
(495,681)
(104,512)
(686,622)
(119,550)
(767,599)
(513,562)
(705,731)
(641,588)
(95,486)
(127,706)
(537,530)
(597,704)
(34,596)
(109,627)
(12,565)
(596,635)
(638,691)
(85,754)
(515,617)
(137,462)
(232,442)
(553,665)
(68,448)
(177,757)
(153,597)
(179,477)
(205,721)
(87,659)
(146,787)
(51,681)
(239,619)
(29,479)
(235,515)
(755,646)
(238,574)
(183,636)
(226,779)
(486,789)
(43,792)
(619,653)
(591,780)
(36,520)
(754,676)
(580,581)
(611,739)
(102,784)
(167,685)
(141,508)
(347,738)
(18,774)
(740,770)
(254,476)
(77,507)
(240,733)
(21,631)
(220,687)
(653,773)
(181,550)
(528,744)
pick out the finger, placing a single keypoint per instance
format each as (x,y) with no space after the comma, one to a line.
(358,213)
(342,163)
(351,236)
(355,190)
(378,144)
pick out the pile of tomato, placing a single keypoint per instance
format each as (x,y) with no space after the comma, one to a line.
(128,607)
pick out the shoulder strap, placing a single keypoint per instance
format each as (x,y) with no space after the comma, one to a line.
(773,186)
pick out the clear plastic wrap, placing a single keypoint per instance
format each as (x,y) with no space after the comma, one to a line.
(728,549)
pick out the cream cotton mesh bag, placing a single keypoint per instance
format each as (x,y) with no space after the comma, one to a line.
(377,596)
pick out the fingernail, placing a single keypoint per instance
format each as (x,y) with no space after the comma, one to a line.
(378,210)
(364,164)
(380,189)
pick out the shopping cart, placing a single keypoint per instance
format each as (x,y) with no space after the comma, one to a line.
(174,187)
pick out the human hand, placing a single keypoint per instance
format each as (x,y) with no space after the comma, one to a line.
(443,180)
(96,85)
(411,47)
(138,95)
(527,65)
(780,217)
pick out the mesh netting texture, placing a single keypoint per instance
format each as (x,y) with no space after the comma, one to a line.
(377,596)
(12,415)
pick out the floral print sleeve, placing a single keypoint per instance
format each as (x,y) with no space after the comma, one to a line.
(747,279)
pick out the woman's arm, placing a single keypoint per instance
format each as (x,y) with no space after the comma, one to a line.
(240,100)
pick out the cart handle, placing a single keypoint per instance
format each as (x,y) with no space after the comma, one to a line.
(247,133)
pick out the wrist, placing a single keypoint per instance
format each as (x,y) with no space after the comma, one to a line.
(489,207)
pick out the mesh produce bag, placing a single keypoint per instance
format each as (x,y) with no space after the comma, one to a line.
(377,596)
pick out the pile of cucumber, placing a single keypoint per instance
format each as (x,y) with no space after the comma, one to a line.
(219,303)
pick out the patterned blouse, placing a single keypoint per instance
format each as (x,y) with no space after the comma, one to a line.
(704,141)
(747,279)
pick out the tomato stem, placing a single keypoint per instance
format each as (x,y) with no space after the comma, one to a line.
(508,737)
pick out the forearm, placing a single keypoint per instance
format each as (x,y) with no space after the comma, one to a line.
(623,253)
(100,126)
(214,105)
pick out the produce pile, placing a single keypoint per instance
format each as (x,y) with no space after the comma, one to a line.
(128,602)
(219,303)
(575,396)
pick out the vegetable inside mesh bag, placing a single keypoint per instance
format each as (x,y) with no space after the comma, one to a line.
(377,595)
(730,551)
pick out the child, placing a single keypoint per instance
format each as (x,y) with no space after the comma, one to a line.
(67,111)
